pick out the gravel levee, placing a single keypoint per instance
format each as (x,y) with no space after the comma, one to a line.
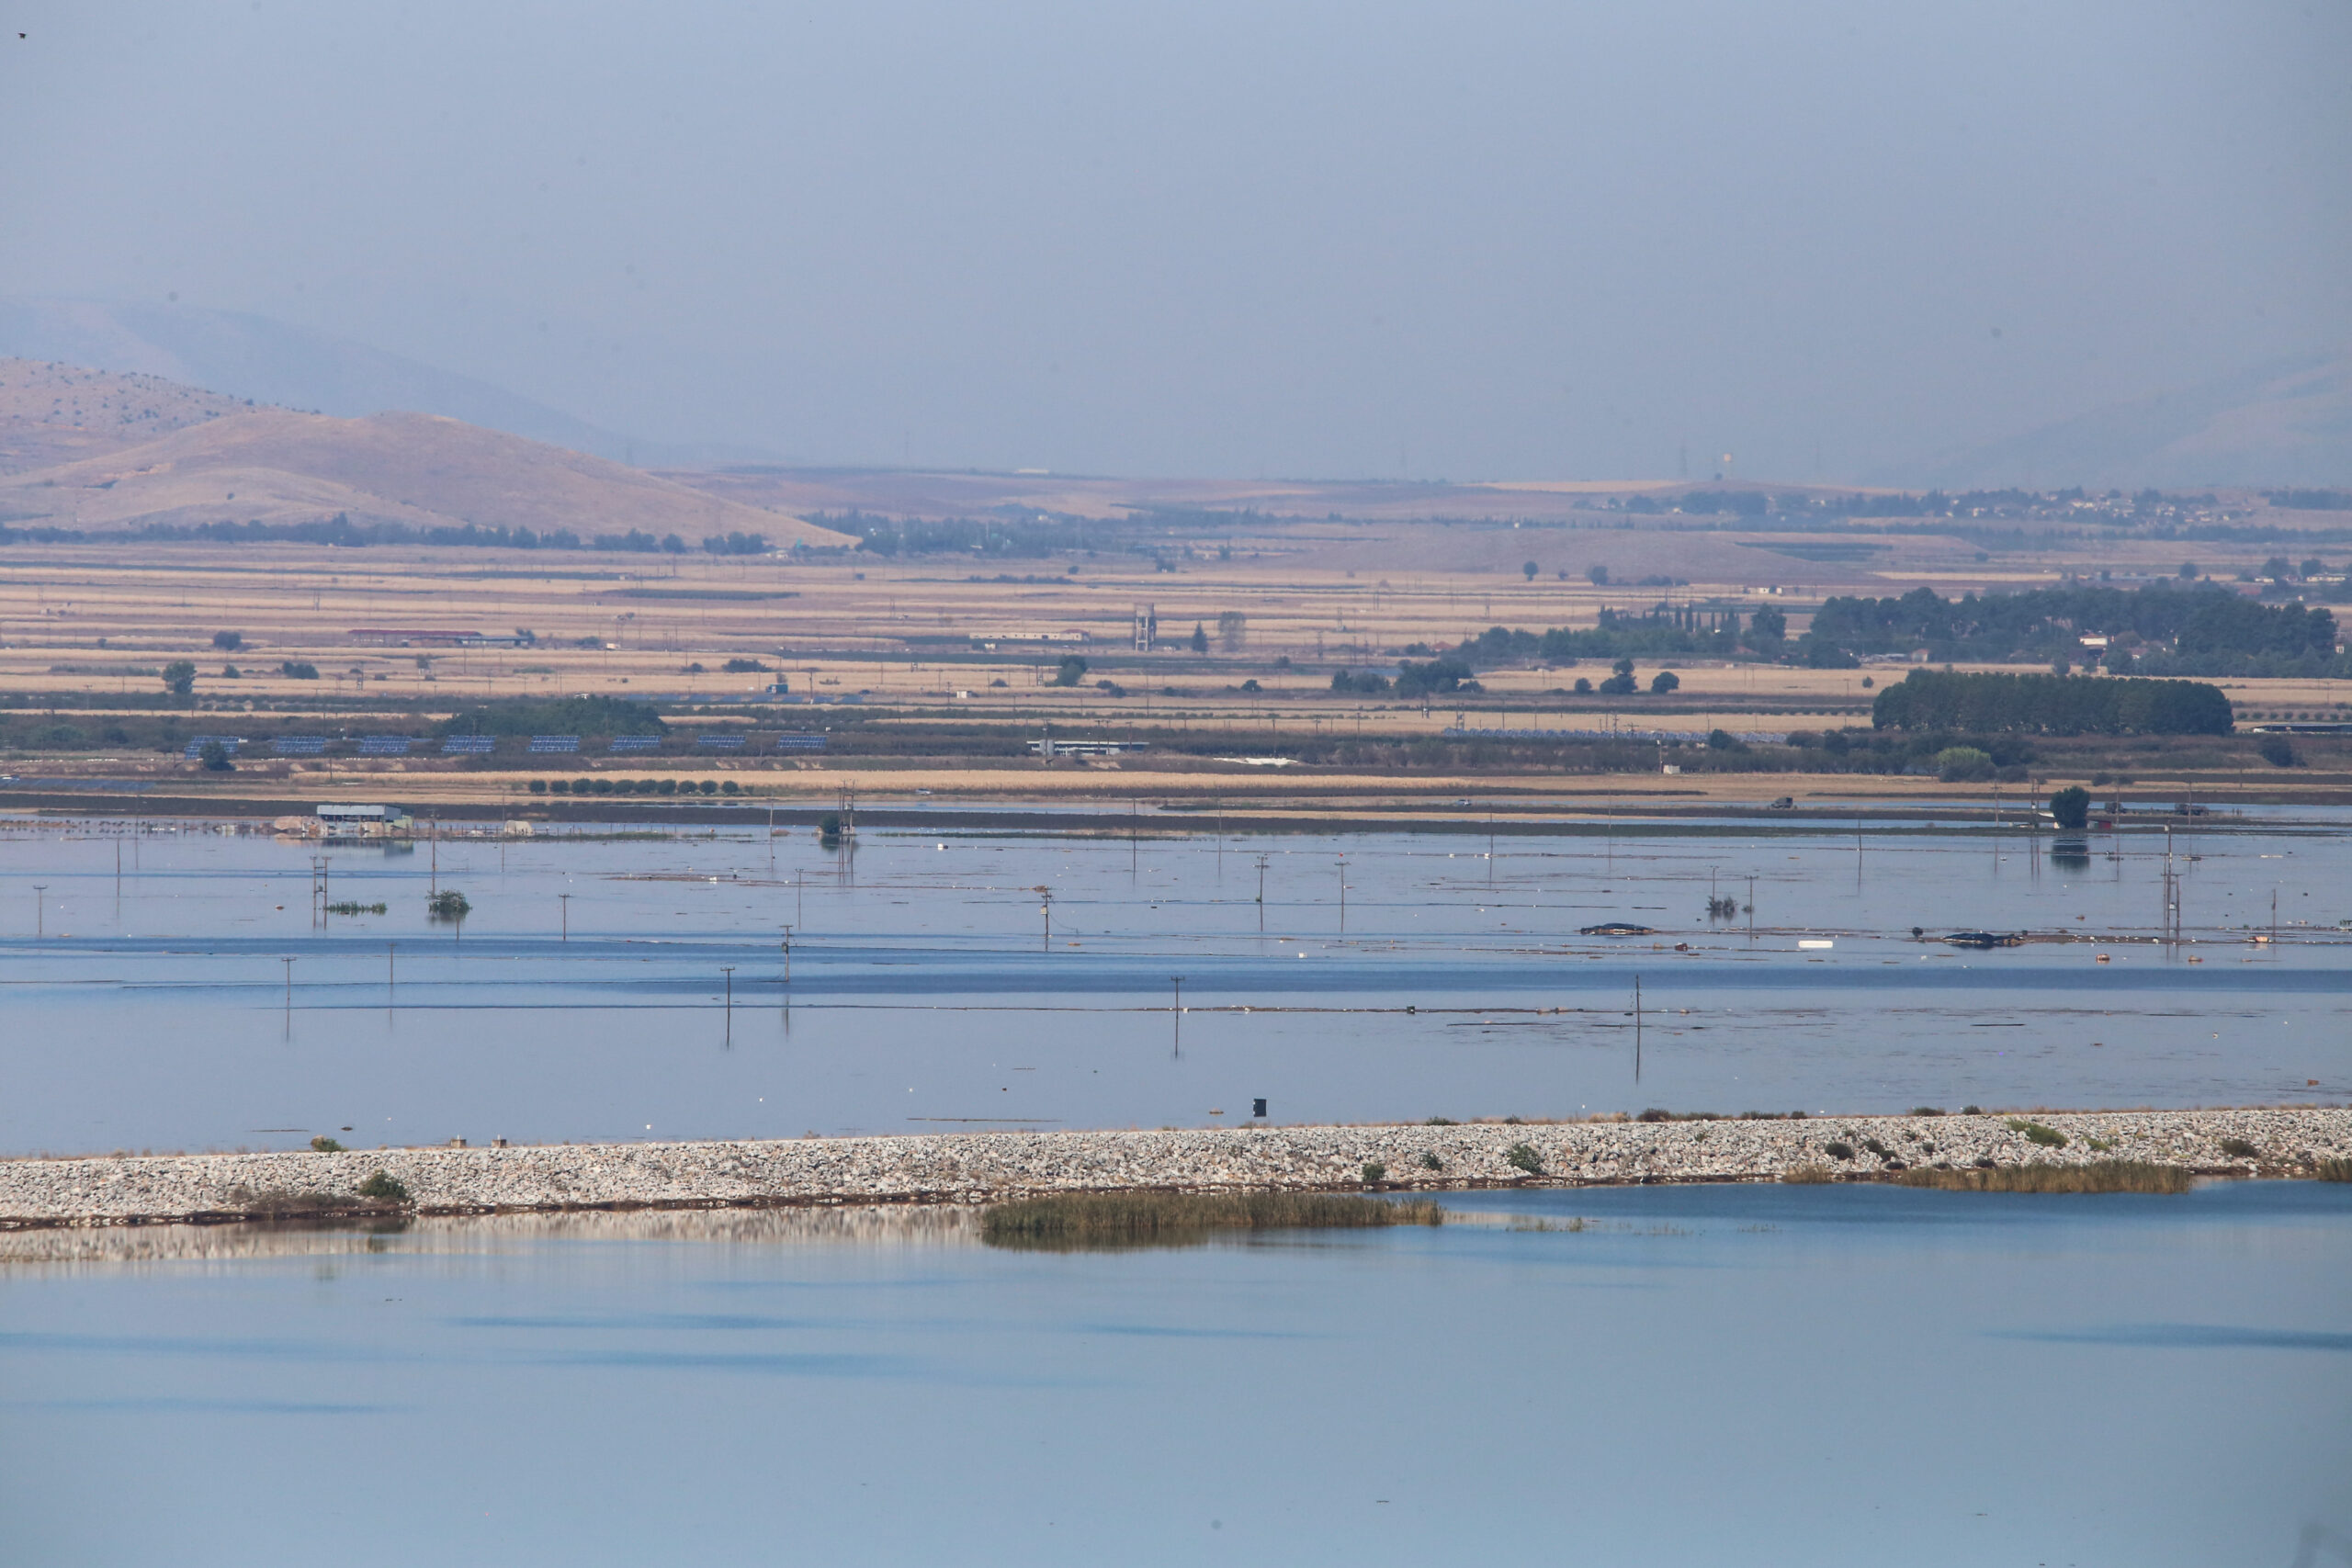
(986,1166)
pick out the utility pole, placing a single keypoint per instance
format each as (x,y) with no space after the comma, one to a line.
(1638,1029)
(565,900)
(39,917)
(788,955)
(1178,1009)
(1261,895)
(728,970)
(1046,907)
(1343,895)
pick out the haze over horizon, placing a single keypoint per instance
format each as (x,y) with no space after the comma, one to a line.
(1390,242)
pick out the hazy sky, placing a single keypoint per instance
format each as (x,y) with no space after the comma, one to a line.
(1464,240)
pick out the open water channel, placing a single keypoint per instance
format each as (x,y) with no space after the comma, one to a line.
(178,988)
(1767,1375)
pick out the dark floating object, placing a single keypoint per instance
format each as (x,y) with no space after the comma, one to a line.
(1986,939)
(1618,927)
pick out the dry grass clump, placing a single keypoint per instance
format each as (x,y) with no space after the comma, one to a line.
(1808,1175)
(2097,1176)
(2333,1168)
(1078,1219)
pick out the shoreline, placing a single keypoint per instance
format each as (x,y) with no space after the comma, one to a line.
(961,1168)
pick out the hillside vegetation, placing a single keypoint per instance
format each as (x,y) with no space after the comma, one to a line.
(279,467)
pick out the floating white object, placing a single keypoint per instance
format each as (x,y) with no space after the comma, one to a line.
(1811,943)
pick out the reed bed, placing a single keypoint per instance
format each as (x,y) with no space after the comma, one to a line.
(2097,1176)
(2333,1168)
(1077,1220)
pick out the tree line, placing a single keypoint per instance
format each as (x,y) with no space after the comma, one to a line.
(2201,621)
(1988,704)
(341,531)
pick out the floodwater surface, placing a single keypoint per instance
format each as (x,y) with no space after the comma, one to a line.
(1816,1376)
(181,989)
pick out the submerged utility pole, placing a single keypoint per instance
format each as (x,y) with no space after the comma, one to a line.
(1638,1029)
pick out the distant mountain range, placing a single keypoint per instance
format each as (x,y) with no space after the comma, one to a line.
(270,362)
(2287,423)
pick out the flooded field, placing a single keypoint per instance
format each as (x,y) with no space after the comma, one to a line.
(1661,1374)
(181,988)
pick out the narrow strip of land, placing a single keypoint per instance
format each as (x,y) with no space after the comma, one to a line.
(988,1166)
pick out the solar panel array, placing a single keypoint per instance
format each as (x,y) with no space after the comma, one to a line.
(385,745)
(636,743)
(800,742)
(195,747)
(547,745)
(300,745)
(467,745)
(719,742)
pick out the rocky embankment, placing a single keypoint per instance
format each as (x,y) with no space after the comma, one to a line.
(986,1166)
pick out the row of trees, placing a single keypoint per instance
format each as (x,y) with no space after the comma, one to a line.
(2050,704)
(340,530)
(2046,623)
(1663,629)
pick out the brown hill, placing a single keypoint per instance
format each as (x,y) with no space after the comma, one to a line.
(277,465)
(53,413)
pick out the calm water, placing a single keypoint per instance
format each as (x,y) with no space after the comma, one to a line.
(1751,1375)
(155,1008)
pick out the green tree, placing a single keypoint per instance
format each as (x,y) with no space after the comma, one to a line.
(179,677)
(1662,682)
(228,642)
(1528,568)
(2071,807)
(1232,627)
(1599,575)
(1963,765)
(215,757)
(1199,638)
(1072,670)
(1767,629)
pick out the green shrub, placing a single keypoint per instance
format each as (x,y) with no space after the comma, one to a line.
(2035,1132)
(1374,1173)
(1838,1148)
(326,1145)
(538,787)
(385,1187)
(2239,1148)
(1522,1157)
(1431,1162)
(448,904)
